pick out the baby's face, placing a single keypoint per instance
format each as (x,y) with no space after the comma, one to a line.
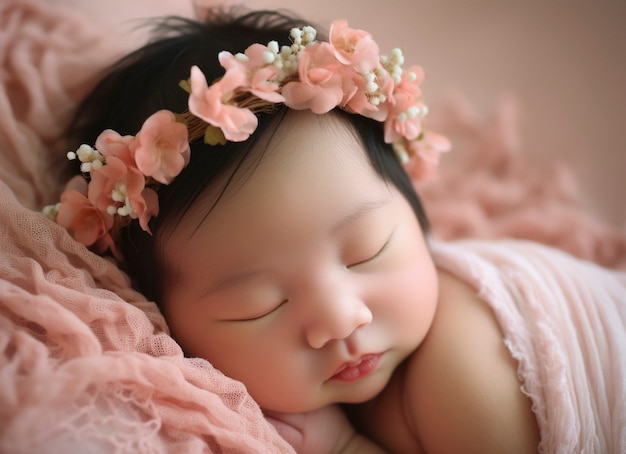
(311,281)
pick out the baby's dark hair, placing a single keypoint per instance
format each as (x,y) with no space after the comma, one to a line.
(147,80)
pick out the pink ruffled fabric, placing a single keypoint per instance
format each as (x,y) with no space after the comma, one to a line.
(564,320)
(86,363)
(488,188)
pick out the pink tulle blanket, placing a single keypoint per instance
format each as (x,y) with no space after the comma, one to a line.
(86,363)
(564,320)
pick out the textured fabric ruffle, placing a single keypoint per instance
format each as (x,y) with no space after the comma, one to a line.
(564,321)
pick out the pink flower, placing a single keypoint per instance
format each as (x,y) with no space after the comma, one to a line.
(146,206)
(85,222)
(354,47)
(411,81)
(425,154)
(361,101)
(117,186)
(406,109)
(401,123)
(161,148)
(211,104)
(320,87)
(110,143)
(120,171)
(258,73)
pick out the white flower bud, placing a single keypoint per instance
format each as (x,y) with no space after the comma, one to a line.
(269,57)
(273,47)
(413,111)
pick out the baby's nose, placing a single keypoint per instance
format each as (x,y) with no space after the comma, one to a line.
(336,318)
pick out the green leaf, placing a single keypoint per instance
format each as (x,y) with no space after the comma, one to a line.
(214,136)
(185,85)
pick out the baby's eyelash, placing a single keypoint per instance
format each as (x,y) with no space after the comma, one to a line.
(258,317)
(382,249)
(377,254)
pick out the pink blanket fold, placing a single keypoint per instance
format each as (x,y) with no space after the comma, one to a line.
(86,363)
(564,320)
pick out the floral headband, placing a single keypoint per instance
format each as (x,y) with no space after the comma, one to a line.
(121,173)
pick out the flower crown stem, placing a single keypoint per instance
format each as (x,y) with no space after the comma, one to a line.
(196,127)
(256,105)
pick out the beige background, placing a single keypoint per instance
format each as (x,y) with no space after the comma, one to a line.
(565,61)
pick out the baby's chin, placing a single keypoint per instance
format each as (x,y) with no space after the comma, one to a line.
(335,394)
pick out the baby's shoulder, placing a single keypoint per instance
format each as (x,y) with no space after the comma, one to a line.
(461,385)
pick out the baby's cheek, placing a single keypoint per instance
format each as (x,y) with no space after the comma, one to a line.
(412,301)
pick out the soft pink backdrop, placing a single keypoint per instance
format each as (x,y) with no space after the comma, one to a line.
(563,60)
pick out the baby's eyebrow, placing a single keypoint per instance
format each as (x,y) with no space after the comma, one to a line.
(230,280)
(358,212)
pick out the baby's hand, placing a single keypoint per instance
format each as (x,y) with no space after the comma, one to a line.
(326,430)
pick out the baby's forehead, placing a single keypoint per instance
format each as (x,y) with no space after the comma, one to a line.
(320,152)
(307,133)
